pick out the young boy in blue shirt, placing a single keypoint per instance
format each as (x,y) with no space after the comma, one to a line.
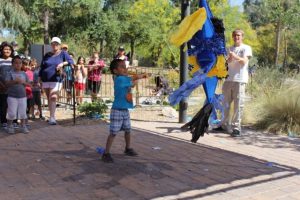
(119,116)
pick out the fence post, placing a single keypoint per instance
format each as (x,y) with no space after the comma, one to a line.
(74,100)
(185,11)
(137,93)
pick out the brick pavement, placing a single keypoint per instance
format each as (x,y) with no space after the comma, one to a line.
(60,162)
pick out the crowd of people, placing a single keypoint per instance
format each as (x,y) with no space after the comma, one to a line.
(23,82)
(16,84)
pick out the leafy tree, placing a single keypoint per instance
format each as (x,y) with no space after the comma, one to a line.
(34,31)
(46,9)
(233,18)
(135,29)
(294,45)
(154,20)
(13,15)
(283,15)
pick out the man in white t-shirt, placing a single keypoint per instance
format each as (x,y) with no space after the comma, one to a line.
(234,86)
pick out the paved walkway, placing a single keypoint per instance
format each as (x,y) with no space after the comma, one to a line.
(60,162)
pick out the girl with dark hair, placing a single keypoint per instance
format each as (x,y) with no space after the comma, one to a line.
(80,79)
(5,67)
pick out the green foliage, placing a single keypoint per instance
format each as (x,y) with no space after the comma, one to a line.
(143,26)
(279,20)
(280,113)
(265,12)
(13,15)
(173,78)
(233,19)
(152,21)
(266,81)
(275,103)
(266,39)
(90,109)
(294,45)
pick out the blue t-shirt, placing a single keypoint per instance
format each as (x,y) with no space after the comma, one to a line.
(17,90)
(48,67)
(122,85)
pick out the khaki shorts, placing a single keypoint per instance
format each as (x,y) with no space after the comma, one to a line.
(55,86)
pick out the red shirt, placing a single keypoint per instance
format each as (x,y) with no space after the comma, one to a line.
(29,74)
(28,88)
(95,74)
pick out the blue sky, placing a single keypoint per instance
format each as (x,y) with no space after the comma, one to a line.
(236,2)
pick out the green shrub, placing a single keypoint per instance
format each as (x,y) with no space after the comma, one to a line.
(108,101)
(94,108)
(106,70)
(275,101)
(280,112)
(173,78)
(265,81)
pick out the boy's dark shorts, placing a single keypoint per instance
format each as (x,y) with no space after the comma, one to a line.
(37,98)
(94,86)
(119,121)
(29,104)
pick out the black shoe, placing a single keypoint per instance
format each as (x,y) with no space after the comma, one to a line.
(130,152)
(42,117)
(107,158)
(235,133)
(219,129)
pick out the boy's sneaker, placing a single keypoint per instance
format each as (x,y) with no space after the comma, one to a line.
(25,130)
(52,121)
(4,125)
(16,125)
(130,152)
(219,129)
(42,117)
(236,133)
(11,130)
(107,158)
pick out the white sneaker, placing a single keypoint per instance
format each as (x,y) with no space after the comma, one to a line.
(4,126)
(25,130)
(11,130)
(15,125)
(52,121)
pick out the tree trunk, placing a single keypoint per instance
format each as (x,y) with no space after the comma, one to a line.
(26,44)
(101,46)
(131,51)
(46,26)
(159,52)
(277,42)
(285,51)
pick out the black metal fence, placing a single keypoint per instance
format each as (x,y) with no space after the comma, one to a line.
(150,90)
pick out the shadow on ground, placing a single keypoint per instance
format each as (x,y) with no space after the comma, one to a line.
(65,158)
(251,137)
